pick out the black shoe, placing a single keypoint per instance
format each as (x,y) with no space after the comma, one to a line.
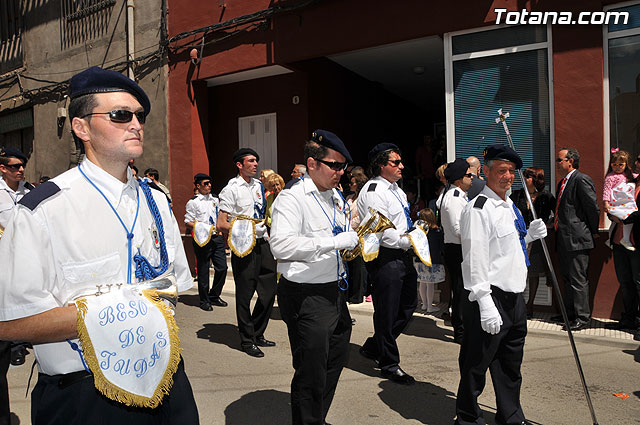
(399,376)
(17,356)
(219,302)
(206,307)
(252,350)
(621,325)
(261,342)
(577,325)
(636,337)
(368,354)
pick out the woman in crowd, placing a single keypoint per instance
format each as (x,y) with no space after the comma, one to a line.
(544,203)
(273,185)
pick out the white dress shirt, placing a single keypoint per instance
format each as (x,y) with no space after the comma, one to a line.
(203,209)
(301,232)
(239,197)
(72,240)
(9,198)
(451,204)
(388,199)
(491,249)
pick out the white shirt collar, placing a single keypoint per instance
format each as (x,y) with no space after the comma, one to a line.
(112,188)
(386,183)
(571,173)
(489,193)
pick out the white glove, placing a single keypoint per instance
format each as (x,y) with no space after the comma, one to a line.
(345,240)
(490,319)
(404,242)
(261,230)
(537,230)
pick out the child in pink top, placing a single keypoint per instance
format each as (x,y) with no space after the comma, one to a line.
(619,192)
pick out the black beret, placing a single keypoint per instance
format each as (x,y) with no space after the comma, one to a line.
(98,80)
(199,177)
(381,147)
(331,141)
(13,153)
(456,170)
(242,152)
(502,153)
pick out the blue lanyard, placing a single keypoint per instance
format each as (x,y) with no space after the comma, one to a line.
(336,229)
(521,227)
(128,232)
(260,210)
(405,208)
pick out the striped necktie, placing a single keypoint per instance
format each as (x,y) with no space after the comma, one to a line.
(555,218)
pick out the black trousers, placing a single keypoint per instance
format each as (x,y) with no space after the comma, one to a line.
(395,296)
(212,251)
(574,269)
(319,327)
(81,403)
(254,273)
(501,354)
(5,360)
(627,265)
(453,261)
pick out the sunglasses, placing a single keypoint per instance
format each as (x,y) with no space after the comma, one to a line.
(470,175)
(334,165)
(561,159)
(16,167)
(122,116)
(206,183)
(618,164)
(395,162)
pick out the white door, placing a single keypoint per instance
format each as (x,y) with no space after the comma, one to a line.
(258,132)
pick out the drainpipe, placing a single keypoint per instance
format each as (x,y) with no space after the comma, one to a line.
(131,38)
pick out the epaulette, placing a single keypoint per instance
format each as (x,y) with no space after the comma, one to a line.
(456,192)
(29,186)
(372,187)
(194,197)
(479,203)
(45,190)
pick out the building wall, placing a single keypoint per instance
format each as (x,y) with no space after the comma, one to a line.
(55,50)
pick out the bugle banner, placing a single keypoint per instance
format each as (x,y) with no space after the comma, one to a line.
(242,235)
(202,233)
(420,245)
(130,342)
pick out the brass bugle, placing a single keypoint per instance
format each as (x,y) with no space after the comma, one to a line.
(376,223)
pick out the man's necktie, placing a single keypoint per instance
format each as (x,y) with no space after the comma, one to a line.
(555,218)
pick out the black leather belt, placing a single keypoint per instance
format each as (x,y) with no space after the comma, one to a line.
(71,378)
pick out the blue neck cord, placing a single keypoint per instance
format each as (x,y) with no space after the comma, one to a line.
(407,212)
(129,233)
(521,227)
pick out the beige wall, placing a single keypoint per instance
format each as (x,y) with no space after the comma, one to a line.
(55,51)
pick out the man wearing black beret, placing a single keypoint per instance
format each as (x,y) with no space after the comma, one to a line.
(310,226)
(256,271)
(450,204)
(494,240)
(86,230)
(394,278)
(203,208)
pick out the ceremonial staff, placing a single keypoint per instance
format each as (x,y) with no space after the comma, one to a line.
(503,119)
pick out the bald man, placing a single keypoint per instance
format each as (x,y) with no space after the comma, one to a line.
(478,182)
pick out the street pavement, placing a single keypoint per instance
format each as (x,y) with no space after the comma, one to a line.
(232,388)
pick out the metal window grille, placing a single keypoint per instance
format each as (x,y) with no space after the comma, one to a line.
(84,20)
(10,20)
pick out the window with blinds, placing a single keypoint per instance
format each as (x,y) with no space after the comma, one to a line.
(10,35)
(622,56)
(500,74)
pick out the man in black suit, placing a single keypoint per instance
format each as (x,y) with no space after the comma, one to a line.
(576,223)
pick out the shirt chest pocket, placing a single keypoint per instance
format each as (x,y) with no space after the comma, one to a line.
(104,269)
(244,202)
(504,228)
(316,227)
